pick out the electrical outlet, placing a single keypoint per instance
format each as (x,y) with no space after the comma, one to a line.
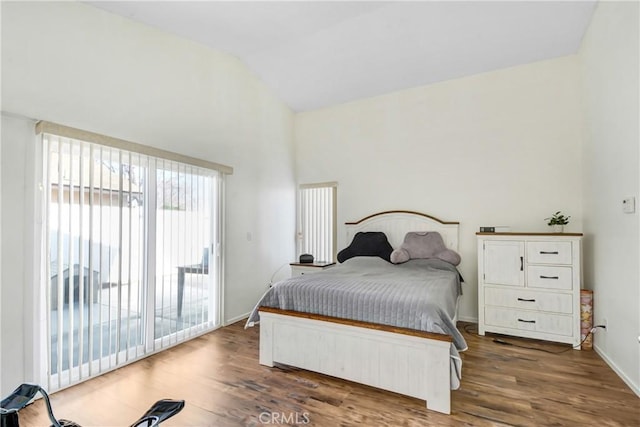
(603,322)
(629,205)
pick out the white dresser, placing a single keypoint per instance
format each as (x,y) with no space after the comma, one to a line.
(529,285)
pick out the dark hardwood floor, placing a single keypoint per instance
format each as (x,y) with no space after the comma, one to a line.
(219,377)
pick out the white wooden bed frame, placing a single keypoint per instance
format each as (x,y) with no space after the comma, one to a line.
(409,362)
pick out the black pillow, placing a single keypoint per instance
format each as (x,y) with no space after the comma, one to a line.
(369,243)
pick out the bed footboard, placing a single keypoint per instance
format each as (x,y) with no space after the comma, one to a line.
(408,362)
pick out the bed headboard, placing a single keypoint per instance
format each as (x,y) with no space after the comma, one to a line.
(396,224)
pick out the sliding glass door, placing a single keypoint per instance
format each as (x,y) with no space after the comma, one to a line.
(131,256)
(185,232)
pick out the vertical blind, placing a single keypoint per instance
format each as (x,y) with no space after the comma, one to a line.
(317,220)
(132,254)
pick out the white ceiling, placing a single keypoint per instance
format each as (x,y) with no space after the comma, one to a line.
(319,53)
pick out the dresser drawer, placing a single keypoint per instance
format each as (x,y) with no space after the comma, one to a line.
(524,320)
(531,300)
(549,253)
(540,276)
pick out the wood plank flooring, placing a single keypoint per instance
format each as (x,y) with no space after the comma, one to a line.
(219,377)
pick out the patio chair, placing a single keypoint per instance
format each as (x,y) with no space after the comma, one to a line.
(202,268)
(9,407)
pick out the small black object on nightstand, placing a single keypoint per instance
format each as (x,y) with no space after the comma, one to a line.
(306,259)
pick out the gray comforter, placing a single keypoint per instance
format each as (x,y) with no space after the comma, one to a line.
(420,294)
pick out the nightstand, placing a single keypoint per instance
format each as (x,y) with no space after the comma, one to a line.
(298,269)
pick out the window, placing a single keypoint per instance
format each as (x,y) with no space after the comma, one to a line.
(132,254)
(317,220)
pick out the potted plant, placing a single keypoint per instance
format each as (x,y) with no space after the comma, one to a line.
(558,220)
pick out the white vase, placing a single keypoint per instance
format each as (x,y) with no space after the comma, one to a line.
(558,228)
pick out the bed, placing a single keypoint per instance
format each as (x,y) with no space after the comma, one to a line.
(359,322)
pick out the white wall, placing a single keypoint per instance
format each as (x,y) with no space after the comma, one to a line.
(1,269)
(79,66)
(610,69)
(501,148)
(14,226)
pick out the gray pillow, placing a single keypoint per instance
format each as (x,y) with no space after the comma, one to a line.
(426,244)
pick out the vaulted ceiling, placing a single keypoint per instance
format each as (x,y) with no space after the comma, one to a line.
(315,54)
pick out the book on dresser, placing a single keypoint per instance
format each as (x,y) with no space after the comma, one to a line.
(529,285)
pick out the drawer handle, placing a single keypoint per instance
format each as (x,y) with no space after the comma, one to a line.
(526,300)
(548,253)
(549,277)
(521,263)
(526,321)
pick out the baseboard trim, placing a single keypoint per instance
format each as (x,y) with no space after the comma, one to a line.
(634,387)
(468,319)
(236,319)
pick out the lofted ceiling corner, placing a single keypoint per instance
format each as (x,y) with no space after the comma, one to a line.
(315,54)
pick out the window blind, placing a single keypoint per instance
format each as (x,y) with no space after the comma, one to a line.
(83,135)
(132,248)
(317,220)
